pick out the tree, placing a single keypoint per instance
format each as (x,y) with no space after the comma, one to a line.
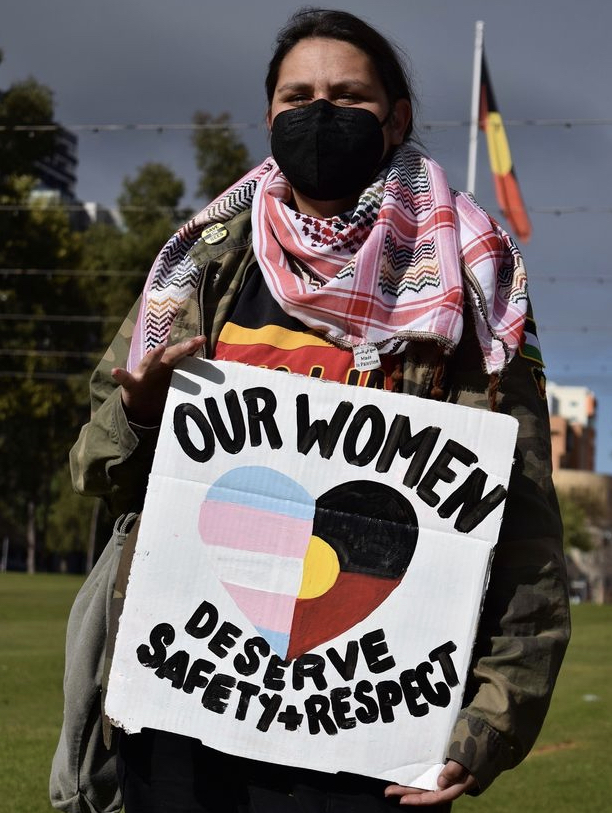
(39,400)
(25,103)
(38,403)
(151,197)
(54,325)
(575,524)
(78,527)
(149,205)
(221,157)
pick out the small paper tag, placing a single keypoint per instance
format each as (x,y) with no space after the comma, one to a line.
(366,357)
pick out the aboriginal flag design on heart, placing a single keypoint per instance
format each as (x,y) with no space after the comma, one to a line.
(302,570)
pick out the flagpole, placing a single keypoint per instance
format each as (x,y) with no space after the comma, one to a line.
(474,113)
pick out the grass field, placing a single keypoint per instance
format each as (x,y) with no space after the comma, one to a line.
(568,771)
(33,614)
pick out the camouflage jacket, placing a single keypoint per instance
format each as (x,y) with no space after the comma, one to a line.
(524,627)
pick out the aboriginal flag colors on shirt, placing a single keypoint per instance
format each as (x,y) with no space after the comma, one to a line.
(258,332)
(507,190)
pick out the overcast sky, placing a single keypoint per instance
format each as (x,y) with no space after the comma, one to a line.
(153,62)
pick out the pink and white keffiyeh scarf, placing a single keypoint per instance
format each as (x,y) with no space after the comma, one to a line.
(395,269)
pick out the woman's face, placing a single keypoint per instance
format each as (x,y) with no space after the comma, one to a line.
(343,75)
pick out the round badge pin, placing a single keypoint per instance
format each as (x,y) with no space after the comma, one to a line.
(214,234)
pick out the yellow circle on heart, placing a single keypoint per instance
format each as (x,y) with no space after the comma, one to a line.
(321,568)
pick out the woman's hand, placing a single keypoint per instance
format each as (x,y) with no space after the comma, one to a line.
(454,780)
(144,390)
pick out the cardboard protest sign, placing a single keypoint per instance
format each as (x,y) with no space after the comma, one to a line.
(309,571)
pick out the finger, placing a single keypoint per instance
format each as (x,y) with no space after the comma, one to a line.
(425,798)
(179,351)
(148,364)
(401,790)
(152,358)
(417,797)
(453,773)
(121,376)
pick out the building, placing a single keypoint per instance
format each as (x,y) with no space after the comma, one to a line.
(58,171)
(573,411)
(56,186)
(97,213)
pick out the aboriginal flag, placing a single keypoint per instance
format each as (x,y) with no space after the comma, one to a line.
(507,190)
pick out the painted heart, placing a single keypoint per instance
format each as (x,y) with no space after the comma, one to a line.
(303,570)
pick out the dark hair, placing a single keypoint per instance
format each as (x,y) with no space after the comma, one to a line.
(309,23)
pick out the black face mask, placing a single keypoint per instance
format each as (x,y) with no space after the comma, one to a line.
(327,152)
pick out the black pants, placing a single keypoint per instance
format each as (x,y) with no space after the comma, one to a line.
(168,773)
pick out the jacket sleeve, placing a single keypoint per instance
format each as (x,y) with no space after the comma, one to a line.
(524,627)
(112,458)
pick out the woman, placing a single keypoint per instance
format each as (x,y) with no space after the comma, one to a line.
(352,236)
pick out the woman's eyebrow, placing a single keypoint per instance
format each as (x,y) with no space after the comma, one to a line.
(350,83)
(341,84)
(293,86)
